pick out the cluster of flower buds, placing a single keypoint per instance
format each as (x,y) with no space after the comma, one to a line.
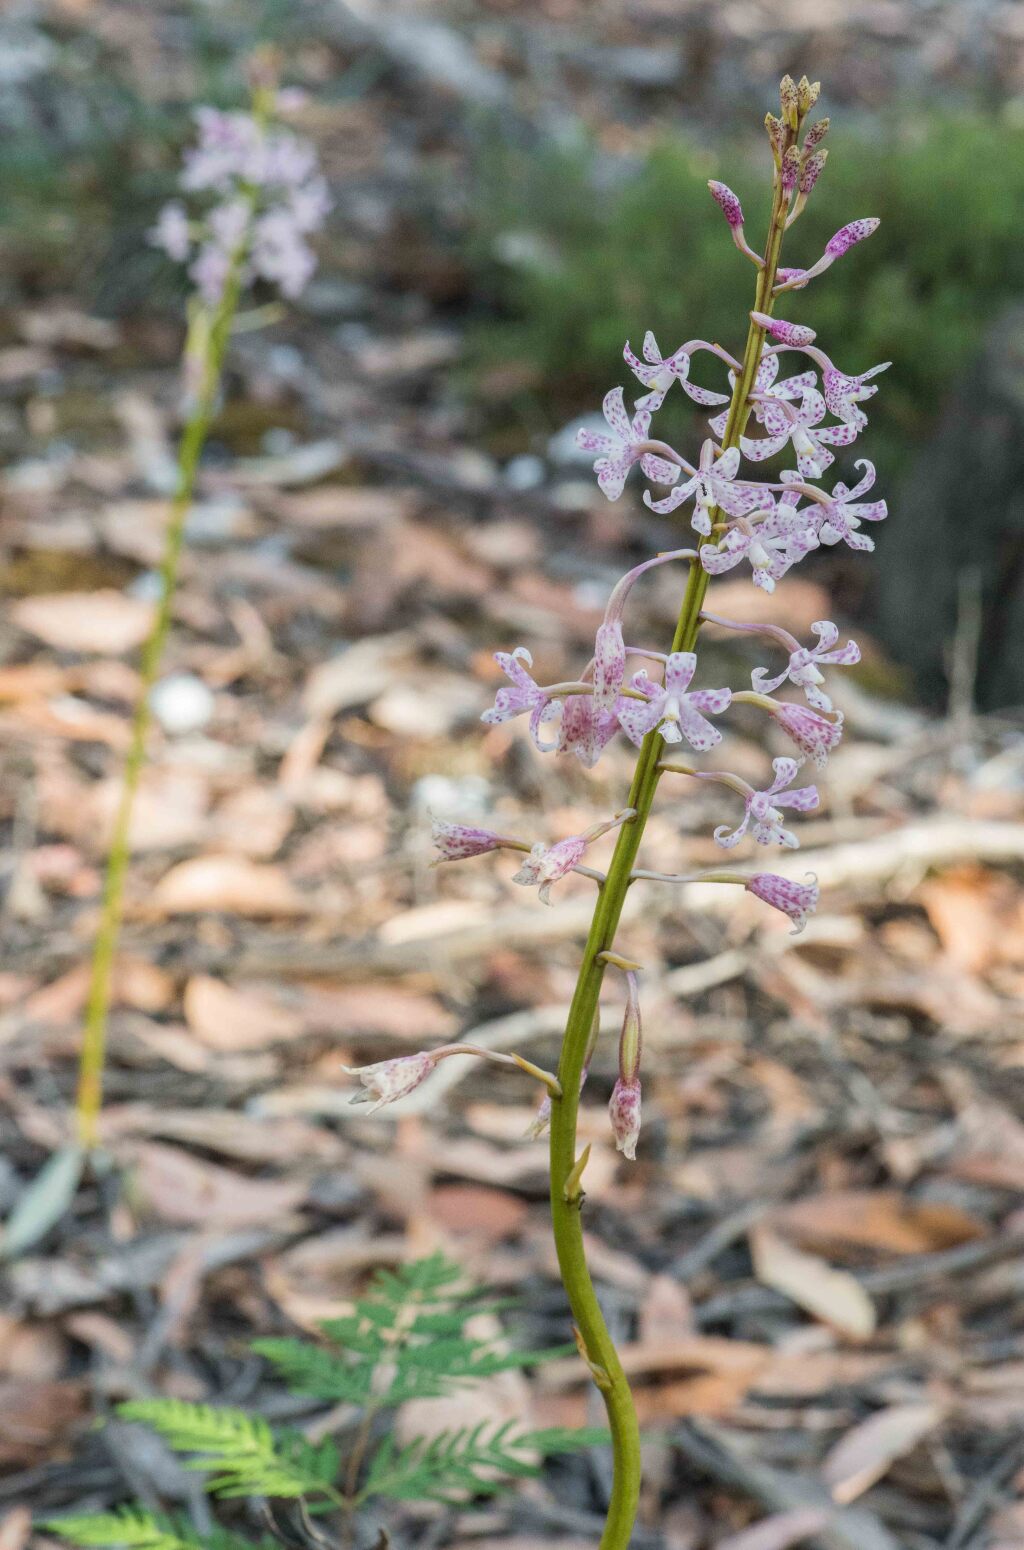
(770,525)
(262,198)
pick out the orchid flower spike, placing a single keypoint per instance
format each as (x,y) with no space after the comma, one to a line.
(624,1106)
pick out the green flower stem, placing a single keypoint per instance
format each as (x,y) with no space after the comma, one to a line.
(94,1039)
(566,1193)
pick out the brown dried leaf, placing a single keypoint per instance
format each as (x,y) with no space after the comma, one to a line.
(227,884)
(224,1018)
(876,1219)
(866,1452)
(104,621)
(831,1295)
(181,1188)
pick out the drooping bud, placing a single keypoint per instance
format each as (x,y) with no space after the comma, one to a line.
(727,202)
(790,169)
(812,170)
(624,1107)
(785,333)
(390,1079)
(456,841)
(789,98)
(797,900)
(813,734)
(816,134)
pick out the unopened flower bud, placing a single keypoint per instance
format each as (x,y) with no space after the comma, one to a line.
(785,333)
(848,236)
(390,1079)
(816,134)
(631,1037)
(776,134)
(456,841)
(727,202)
(789,97)
(790,169)
(797,900)
(808,93)
(812,170)
(813,734)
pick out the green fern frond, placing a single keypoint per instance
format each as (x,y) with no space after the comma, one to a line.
(472,1461)
(238,1451)
(309,1369)
(134,1528)
(131,1527)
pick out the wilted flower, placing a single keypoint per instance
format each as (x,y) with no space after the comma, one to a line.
(388,1080)
(797,900)
(456,841)
(813,734)
(624,1106)
(546,864)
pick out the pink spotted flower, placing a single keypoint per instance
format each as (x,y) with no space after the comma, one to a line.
(763,815)
(711,486)
(844,393)
(766,388)
(845,238)
(387,1080)
(624,446)
(772,541)
(457,841)
(805,664)
(669,707)
(811,440)
(842,516)
(523,695)
(657,373)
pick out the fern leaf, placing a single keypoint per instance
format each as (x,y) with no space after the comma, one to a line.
(477,1461)
(239,1452)
(130,1527)
(308,1369)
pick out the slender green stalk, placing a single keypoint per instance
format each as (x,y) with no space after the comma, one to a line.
(566,1192)
(212,345)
